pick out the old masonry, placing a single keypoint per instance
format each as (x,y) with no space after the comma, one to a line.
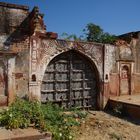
(37,65)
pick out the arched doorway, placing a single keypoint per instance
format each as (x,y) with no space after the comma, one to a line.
(70,80)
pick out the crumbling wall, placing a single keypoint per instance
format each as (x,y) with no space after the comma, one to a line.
(21,67)
(28,49)
(135,43)
(3,96)
(14,39)
(111,84)
(11,16)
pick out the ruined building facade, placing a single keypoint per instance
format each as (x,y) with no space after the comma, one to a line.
(37,65)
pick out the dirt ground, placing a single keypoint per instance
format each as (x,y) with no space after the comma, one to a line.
(102,126)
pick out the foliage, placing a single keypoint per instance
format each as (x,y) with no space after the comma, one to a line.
(47,117)
(72,37)
(94,33)
(60,123)
(21,114)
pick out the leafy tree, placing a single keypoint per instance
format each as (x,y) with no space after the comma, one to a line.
(71,37)
(108,38)
(94,33)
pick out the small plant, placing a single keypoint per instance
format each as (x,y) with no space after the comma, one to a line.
(21,114)
(46,117)
(59,122)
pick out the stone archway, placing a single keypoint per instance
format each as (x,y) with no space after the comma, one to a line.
(70,80)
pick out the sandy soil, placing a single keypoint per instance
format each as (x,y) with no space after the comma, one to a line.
(102,126)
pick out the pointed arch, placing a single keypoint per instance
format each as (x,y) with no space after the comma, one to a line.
(71,79)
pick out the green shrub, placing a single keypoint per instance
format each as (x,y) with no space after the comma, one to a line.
(46,117)
(58,123)
(21,114)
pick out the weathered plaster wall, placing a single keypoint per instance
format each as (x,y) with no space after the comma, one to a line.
(11,79)
(3,97)
(7,79)
(21,67)
(109,61)
(11,17)
(13,40)
(135,44)
(110,72)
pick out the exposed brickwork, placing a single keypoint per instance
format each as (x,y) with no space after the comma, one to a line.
(9,5)
(11,17)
